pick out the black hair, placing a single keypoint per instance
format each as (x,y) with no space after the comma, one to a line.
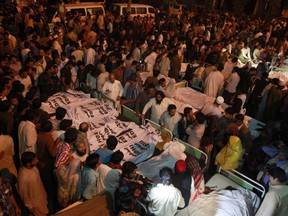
(64,124)
(166,175)
(36,103)
(237,104)
(18,87)
(60,113)
(220,67)
(71,135)
(79,63)
(162,80)
(92,160)
(128,168)
(111,142)
(27,157)
(117,157)
(134,62)
(234,59)
(230,110)
(187,110)
(21,71)
(200,117)
(236,69)
(29,95)
(129,56)
(171,107)
(44,96)
(31,115)
(46,126)
(160,93)
(239,117)
(4,82)
(12,95)
(22,106)
(103,58)
(150,86)
(278,173)
(119,63)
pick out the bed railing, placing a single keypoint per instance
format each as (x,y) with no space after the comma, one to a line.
(109,99)
(243,181)
(197,153)
(181,84)
(158,127)
(130,114)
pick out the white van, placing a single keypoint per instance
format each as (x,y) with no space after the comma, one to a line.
(85,9)
(136,9)
(176,9)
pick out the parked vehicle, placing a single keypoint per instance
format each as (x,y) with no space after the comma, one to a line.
(136,9)
(177,9)
(84,9)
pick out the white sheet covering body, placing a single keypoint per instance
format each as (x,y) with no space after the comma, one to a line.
(136,142)
(189,96)
(139,147)
(223,203)
(173,151)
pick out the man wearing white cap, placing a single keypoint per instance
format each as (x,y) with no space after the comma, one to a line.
(215,108)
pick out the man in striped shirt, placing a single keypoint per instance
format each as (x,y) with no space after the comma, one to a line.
(68,170)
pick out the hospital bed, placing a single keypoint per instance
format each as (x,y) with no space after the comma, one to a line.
(130,114)
(222,201)
(158,127)
(279,73)
(197,153)
(181,84)
(108,98)
(224,178)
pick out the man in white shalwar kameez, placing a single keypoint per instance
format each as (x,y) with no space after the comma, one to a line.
(213,84)
(196,131)
(27,133)
(228,67)
(112,88)
(159,104)
(275,201)
(164,197)
(30,187)
(215,108)
(151,59)
(89,55)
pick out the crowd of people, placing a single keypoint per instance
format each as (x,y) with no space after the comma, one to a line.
(46,163)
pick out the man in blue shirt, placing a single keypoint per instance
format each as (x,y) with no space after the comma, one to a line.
(89,177)
(106,152)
